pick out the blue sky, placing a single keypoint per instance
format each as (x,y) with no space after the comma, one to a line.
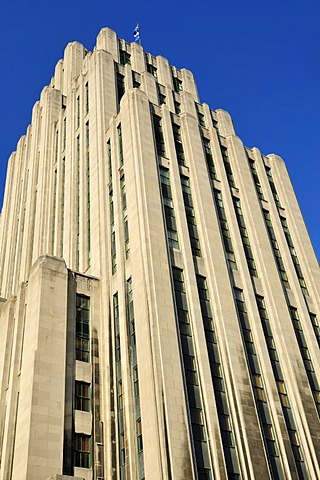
(259,60)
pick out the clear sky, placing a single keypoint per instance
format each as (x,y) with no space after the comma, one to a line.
(259,60)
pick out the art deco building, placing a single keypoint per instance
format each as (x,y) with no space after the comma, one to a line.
(160,309)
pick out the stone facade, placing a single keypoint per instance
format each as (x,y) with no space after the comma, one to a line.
(159,292)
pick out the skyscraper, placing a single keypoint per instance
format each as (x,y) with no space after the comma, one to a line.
(159,291)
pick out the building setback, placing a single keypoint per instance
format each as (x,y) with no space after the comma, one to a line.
(159,292)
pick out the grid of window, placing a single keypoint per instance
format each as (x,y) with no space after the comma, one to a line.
(171,225)
(82,328)
(178,143)
(119,389)
(82,451)
(135,377)
(257,383)
(227,166)
(120,87)
(281,387)
(229,447)
(125,57)
(276,251)
(124,216)
(231,259)
(159,137)
(245,237)
(199,437)
(209,158)
(82,396)
(272,186)
(191,218)
(294,257)
(256,178)
(305,354)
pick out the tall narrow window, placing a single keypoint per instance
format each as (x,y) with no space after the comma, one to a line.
(63,184)
(227,166)
(159,137)
(178,143)
(82,396)
(120,145)
(125,57)
(87,97)
(78,204)
(125,216)
(294,256)
(170,219)
(161,90)
(78,111)
(230,256)
(177,84)
(244,237)
(82,328)
(151,69)
(88,197)
(120,86)
(272,186)
(209,158)
(82,450)
(255,177)
(276,250)
(191,218)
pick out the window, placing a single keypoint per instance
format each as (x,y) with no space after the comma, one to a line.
(82,396)
(255,178)
(139,436)
(170,219)
(225,230)
(177,84)
(191,220)
(136,80)
(82,328)
(227,166)
(125,57)
(82,451)
(120,146)
(209,158)
(158,133)
(178,143)
(161,94)
(151,69)
(87,97)
(120,86)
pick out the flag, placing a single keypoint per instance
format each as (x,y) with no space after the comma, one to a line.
(136,33)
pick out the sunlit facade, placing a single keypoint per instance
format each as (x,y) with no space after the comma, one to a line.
(159,292)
